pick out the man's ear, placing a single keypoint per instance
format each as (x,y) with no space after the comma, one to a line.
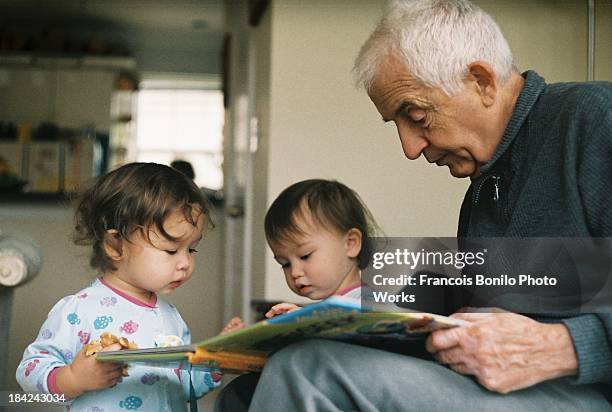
(113,244)
(485,81)
(353,242)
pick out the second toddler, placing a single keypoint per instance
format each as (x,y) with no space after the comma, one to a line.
(319,233)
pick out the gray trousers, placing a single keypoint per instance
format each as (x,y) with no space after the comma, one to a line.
(319,375)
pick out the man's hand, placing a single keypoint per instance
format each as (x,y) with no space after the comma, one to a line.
(505,351)
(85,373)
(280,309)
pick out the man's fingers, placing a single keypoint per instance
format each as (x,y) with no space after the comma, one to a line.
(451,356)
(476,314)
(461,368)
(443,339)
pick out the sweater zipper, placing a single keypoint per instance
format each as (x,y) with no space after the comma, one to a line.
(496,184)
(478,188)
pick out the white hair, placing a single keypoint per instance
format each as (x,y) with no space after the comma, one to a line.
(436,40)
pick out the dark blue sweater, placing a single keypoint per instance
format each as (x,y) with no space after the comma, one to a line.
(551,176)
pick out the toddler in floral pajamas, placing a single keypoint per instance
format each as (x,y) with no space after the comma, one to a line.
(144,222)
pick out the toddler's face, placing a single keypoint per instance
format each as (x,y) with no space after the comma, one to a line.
(317,263)
(158,264)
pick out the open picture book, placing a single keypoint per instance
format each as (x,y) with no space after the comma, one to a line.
(247,349)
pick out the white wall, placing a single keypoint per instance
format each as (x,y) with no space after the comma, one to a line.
(320,126)
(603,40)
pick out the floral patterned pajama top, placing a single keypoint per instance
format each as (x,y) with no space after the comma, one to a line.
(99,308)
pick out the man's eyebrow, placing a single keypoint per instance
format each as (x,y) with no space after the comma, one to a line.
(399,110)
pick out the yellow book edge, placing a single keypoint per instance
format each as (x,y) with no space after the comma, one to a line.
(228,361)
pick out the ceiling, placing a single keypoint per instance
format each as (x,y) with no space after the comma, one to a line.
(163,35)
(160,14)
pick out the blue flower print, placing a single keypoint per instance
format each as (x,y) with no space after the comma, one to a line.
(46,334)
(67,354)
(108,301)
(95,409)
(102,321)
(131,403)
(73,319)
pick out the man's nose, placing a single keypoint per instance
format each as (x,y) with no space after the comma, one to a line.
(413,142)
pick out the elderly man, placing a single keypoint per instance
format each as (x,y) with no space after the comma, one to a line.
(539,157)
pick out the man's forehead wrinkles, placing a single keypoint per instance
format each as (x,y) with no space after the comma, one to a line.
(399,84)
(395,102)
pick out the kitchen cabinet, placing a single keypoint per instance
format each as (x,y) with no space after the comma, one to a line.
(74,94)
(70,92)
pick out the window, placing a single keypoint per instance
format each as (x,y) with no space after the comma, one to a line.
(176,120)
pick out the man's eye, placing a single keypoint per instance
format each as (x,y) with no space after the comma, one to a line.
(171,252)
(305,256)
(192,251)
(417,116)
(285,265)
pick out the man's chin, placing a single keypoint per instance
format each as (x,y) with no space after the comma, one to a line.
(461,172)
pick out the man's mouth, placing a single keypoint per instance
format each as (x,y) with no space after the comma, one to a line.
(440,161)
(434,158)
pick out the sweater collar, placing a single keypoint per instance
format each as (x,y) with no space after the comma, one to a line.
(532,88)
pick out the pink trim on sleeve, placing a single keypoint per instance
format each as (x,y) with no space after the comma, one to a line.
(52,381)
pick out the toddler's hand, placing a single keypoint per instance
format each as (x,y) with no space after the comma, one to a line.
(234,324)
(281,308)
(85,373)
